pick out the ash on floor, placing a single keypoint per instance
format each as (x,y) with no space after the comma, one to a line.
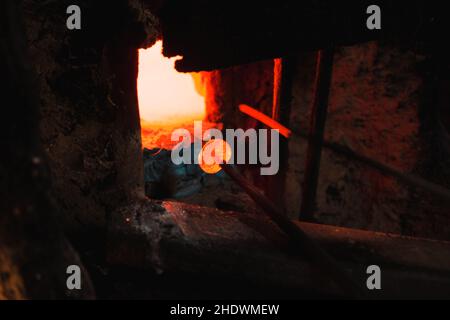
(187,182)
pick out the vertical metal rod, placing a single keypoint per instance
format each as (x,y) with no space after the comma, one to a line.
(284,69)
(283,81)
(324,71)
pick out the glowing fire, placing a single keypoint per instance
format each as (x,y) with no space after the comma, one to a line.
(168,99)
(166,95)
(213,154)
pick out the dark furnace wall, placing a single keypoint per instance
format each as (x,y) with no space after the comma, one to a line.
(34,252)
(90,123)
(380,107)
(83,158)
(388,102)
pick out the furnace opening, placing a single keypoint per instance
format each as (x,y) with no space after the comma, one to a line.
(167,98)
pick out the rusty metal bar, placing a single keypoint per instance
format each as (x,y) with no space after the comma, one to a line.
(306,245)
(408,179)
(324,73)
(284,70)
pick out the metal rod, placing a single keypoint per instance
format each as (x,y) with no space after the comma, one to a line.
(408,179)
(284,71)
(324,73)
(306,246)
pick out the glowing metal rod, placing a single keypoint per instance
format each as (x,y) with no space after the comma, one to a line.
(268,121)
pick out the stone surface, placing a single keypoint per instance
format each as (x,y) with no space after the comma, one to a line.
(170,237)
(34,252)
(90,123)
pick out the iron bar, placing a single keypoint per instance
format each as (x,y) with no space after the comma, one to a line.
(324,73)
(306,246)
(408,179)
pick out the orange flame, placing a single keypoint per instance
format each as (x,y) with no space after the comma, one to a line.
(165,95)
